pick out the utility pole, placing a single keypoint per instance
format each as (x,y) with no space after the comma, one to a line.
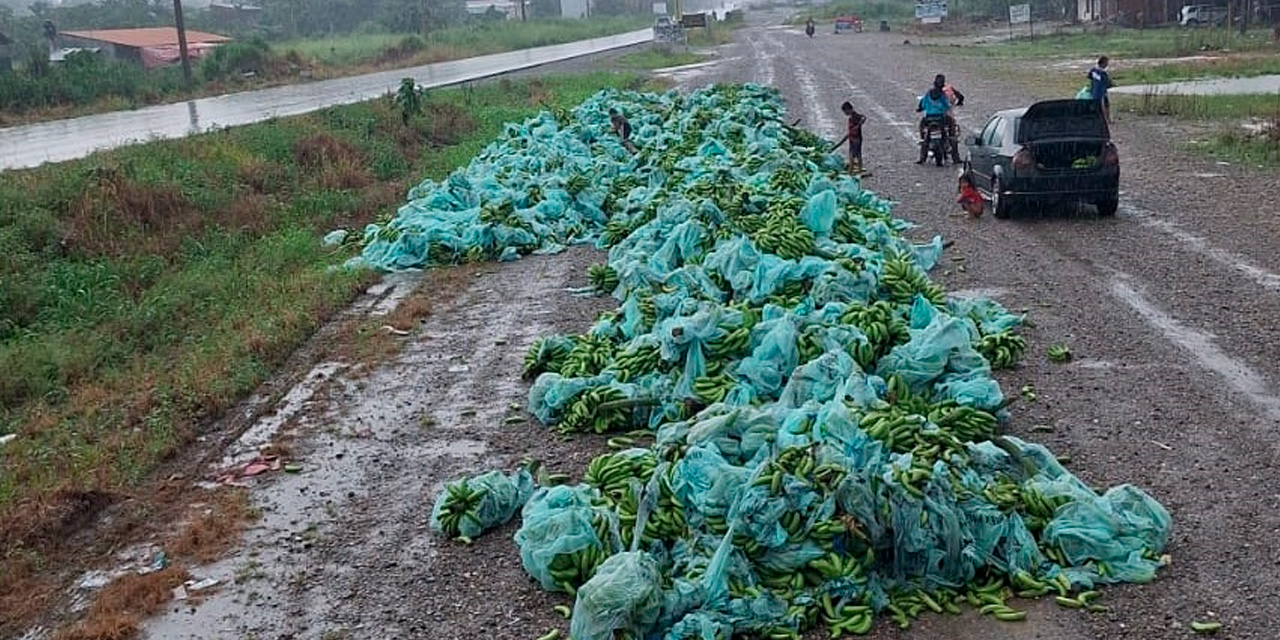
(182,41)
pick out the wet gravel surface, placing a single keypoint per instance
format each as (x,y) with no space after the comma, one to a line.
(1168,309)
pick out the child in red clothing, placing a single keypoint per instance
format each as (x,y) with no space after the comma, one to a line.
(970,200)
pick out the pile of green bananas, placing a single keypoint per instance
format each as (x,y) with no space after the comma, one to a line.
(598,410)
(590,355)
(902,281)
(1003,349)
(544,355)
(712,389)
(637,361)
(461,502)
(572,570)
(783,234)
(883,328)
(602,278)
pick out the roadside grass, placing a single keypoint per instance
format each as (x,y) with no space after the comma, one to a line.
(90,85)
(1119,43)
(1224,107)
(146,290)
(1236,145)
(657,58)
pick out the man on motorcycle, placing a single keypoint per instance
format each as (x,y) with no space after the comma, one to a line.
(809,27)
(936,105)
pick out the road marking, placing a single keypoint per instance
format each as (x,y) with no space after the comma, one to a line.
(1233,261)
(908,129)
(1200,345)
(764,64)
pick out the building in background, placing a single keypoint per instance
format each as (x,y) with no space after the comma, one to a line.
(150,48)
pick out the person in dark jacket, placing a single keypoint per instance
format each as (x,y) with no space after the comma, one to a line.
(622,127)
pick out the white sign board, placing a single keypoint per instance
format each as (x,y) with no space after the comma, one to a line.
(1019,13)
(659,8)
(931,9)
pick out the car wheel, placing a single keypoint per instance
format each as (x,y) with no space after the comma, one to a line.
(1001,206)
(1107,208)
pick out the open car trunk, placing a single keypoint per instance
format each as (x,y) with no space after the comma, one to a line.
(1064,135)
(1067,155)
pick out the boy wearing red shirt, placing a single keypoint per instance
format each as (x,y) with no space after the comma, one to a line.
(854,136)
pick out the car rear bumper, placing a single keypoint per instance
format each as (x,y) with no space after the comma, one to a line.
(1092,187)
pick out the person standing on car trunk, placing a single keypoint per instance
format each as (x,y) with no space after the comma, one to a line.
(1099,82)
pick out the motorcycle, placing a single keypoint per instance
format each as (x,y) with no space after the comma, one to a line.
(936,140)
(809,29)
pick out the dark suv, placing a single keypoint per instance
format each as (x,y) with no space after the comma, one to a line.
(1051,152)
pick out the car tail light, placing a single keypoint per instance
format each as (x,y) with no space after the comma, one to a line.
(1110,156)
(1023,160)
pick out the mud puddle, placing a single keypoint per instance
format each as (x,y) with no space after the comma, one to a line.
(339,540)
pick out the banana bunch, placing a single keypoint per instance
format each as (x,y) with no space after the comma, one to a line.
(790,180)
(572,570)
(882,326)
(461,502)
(612,473)
(856,619)
(732,345)
(475,254)
(846,231)
(637,361)
(966,423)
(589,356)
(809,344)
(544,355)
(615,231)
(712,389)
(665,523)
(897,429)
(577,183)
(603,278)
(1039,508)
(597,410)
(903,281)
(785,236)
(497,213)
(1059,353)
(1002,349)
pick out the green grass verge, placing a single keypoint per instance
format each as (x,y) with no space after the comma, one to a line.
(1121,43)
(1199,107)
(144,291)
(1241,147)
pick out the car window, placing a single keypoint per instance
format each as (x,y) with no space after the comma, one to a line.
(998,135)
(989,131)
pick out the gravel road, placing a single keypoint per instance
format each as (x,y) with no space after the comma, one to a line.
(1168,308)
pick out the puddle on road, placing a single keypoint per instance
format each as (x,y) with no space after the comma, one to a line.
(1213,87)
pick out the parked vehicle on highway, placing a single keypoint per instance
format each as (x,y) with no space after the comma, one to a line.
(1194,15)
(1052,152)
(848,23)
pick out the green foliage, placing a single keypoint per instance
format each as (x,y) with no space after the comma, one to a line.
(236,58)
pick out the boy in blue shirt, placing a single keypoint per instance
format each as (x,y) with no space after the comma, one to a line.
(1099,82)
